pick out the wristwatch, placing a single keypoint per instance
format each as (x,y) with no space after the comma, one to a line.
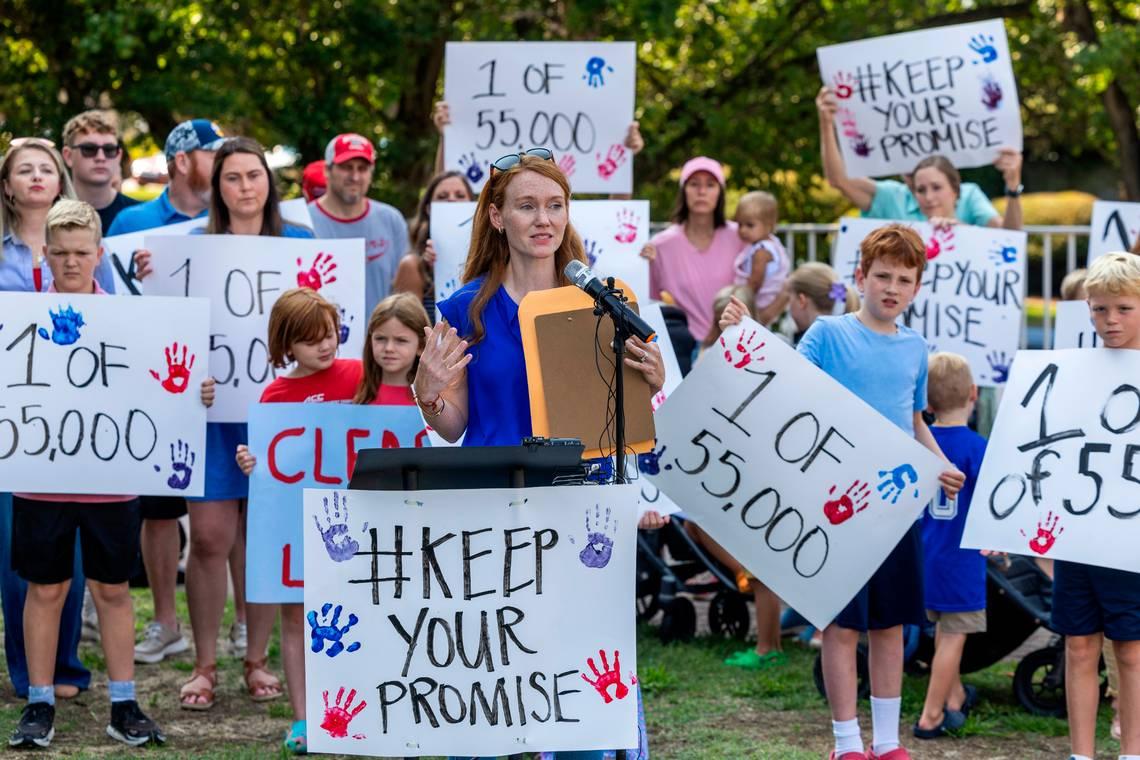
(1015,192)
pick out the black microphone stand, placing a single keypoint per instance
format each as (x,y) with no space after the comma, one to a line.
(621,334)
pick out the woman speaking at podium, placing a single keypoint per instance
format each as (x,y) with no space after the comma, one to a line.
(472,375)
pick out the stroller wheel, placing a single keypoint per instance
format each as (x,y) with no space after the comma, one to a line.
(680,621)
(728,615)
(1039,682)
(861,668)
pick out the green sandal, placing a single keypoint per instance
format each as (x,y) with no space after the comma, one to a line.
(750,659)
(295,740)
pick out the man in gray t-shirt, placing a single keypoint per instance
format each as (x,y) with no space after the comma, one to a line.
(345,211)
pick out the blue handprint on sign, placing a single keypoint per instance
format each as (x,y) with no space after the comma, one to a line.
(65,326)
(331,631)
(472,167)
(338,543)
(181,466)
(592,251)
(1004,254)
(983,45)
(650,463)
(599,546)
(594,68)
(345,318)
(895,481)
(999,363)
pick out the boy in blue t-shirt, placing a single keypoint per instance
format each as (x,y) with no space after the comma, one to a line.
(884,364)
(955,578)
(1092,603)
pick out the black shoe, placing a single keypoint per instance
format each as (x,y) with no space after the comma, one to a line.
(952,720)
(130,725)
(36,727)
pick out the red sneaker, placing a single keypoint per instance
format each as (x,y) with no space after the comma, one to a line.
(898,753)
(848,756)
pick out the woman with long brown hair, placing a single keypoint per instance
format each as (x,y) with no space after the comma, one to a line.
(472,376)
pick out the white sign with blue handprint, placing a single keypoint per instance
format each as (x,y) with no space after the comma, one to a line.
(613,233)
(972,297)
(799,479)
(483,607)
(948,91)
(575,98)
(102,394)
(299,446)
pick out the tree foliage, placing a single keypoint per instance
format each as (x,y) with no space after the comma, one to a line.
(734,79)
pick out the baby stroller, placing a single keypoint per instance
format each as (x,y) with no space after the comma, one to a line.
(668,561)
(1019,601)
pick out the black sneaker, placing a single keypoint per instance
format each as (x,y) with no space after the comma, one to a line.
(36,727)
(130,725)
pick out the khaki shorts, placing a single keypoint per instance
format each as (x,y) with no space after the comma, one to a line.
(959,622)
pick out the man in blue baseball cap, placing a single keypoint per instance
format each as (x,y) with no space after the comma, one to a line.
(189,159)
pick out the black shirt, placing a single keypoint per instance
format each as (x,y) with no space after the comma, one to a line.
(108,213)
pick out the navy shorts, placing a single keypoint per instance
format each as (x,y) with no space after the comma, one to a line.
(1089,599)
(894,594)
(224,479)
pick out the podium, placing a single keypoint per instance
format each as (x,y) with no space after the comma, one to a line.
(537,462)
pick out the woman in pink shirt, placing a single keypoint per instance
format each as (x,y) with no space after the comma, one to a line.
(693,258)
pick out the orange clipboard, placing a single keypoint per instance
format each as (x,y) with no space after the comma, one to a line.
(568,395)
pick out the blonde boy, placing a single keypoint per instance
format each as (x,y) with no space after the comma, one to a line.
(1092,603)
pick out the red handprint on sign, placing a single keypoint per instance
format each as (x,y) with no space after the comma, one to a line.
(615,157)
(941,241)
(1047,533)
(844,85)
(566,164)
(341,714)
(320,273)
(744,353)
(177,370)
(627,226)
(853,500)
(607,677)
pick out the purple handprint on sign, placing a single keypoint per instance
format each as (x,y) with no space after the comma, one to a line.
(999,363)
(592,251)
(599,546)
(991,93)
(472,167)
(338,543)
(181,466)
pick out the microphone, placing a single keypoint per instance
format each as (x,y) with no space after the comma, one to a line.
(583,277)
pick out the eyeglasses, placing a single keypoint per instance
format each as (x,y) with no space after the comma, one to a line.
(90,150)
(512,159)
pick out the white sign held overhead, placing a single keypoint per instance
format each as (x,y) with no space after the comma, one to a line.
(948,91)
(102,395)
(789,471)
(1115,226)
(972,292)
(1061,473)
(470,622)
(575,98)
(243,275)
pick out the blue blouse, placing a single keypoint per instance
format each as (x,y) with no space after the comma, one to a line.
(16,268)
(498,397)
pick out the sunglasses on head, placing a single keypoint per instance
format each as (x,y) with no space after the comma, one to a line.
(90,150)
(512,159)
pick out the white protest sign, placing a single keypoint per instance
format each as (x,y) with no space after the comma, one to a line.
(648,464)
(1115,226)
(120,249)
(102,395)
(1059,479)
(799,479)
(575,98)
(612,232)
(972,293)
(1073,327)
(471,622)
(243,275)
(903,97)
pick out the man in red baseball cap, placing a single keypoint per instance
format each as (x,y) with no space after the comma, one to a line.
(345,211)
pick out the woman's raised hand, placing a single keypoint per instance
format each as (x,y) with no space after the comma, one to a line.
(442,363)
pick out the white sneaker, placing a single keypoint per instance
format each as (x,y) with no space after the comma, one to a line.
(238,643)
(158,642)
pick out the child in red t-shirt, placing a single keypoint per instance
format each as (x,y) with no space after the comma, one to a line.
(392,352)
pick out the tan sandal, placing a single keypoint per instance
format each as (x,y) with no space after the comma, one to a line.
(267,681)
(210,675)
